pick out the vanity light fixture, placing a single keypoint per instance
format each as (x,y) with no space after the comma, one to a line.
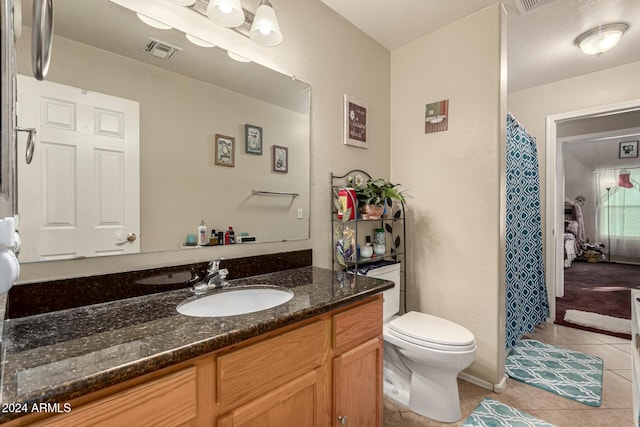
(198,41)
(227,13)
(600,39)
(153,22)
(265,29)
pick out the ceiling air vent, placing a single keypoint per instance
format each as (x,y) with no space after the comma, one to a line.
(529,6)
(160,49)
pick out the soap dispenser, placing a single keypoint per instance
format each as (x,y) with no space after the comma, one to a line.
(202,233)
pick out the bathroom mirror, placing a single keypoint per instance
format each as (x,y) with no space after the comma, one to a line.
(142,134)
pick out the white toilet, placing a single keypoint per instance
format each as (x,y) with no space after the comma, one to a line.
(423,356)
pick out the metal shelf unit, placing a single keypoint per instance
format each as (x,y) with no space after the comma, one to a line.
(392,221)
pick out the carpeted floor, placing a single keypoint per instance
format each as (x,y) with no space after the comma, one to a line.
(602,288)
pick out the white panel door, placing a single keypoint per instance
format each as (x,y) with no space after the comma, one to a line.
(80,196)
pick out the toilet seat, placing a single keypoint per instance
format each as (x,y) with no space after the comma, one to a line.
(433,332)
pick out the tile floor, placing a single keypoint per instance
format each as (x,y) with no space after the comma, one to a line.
(616,409)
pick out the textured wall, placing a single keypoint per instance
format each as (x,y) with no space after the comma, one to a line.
(454,176)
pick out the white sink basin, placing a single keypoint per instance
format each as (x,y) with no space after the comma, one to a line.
(234,301)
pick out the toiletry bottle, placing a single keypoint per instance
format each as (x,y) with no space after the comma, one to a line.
(232,236)
(221,237)
(202,234)
(226,237)
(213,240)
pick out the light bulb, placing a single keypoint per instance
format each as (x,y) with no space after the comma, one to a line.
(225,8)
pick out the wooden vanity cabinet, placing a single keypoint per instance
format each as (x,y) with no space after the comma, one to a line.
(278,382)
(357,366)
(324,371)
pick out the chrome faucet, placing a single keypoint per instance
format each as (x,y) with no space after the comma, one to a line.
(214,279)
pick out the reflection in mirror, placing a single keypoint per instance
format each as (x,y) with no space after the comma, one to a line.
(130,121)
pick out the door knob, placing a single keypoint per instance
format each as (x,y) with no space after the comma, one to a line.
(343,420)
(121,240)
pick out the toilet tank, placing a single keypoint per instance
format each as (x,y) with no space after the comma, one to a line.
(391,296)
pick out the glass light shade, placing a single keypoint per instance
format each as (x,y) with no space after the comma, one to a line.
(237,57)
(227,13)
(198,41)
(265,29)
(153,22)
(599,40)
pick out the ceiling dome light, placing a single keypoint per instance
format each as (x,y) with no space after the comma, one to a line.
(600,39)
(153,22)
(227,13)
(265,29)
(198,41)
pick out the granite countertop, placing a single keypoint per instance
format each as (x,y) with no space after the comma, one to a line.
(58,356)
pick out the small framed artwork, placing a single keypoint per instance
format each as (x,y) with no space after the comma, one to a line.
(225,150)
(436,117)
(253,139)
(355,122)
(628,149)
(280,159)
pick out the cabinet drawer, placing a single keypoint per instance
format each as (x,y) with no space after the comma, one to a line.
(357,324)
(166,401)
(250,372)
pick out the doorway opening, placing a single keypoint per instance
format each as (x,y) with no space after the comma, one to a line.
(588,140)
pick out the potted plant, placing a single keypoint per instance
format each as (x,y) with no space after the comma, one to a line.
(374,194)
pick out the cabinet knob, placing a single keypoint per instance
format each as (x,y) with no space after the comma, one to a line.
(343,420)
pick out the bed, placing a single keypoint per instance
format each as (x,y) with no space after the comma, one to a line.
(570,252)
(573,233)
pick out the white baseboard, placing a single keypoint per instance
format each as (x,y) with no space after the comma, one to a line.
(498,388)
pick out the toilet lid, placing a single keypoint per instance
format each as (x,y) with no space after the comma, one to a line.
(425,329)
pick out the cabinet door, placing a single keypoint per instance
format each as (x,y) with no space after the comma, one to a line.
(358,386)
(297,403)
(170,400)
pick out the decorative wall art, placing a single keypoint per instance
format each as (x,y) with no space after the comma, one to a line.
(355,122)
(628,149)
(225,150)
(253,139)
(280,159)
(436,117)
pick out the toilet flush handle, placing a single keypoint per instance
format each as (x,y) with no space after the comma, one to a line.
(343,420)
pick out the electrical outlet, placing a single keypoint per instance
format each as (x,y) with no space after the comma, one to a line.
(300,213)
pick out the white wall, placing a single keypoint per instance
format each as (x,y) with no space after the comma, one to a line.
(455,243)
(342,60)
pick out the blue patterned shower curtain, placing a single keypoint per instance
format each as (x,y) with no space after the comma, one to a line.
(527,300)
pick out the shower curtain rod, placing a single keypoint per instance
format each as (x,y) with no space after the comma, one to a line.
(514,118)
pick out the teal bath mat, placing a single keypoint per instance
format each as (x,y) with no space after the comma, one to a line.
(568,373)
(491,413)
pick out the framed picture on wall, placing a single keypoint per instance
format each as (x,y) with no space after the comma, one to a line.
(355,122)
(436,117)
(628,149)
(253,139)
(280,159)
(224,150)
